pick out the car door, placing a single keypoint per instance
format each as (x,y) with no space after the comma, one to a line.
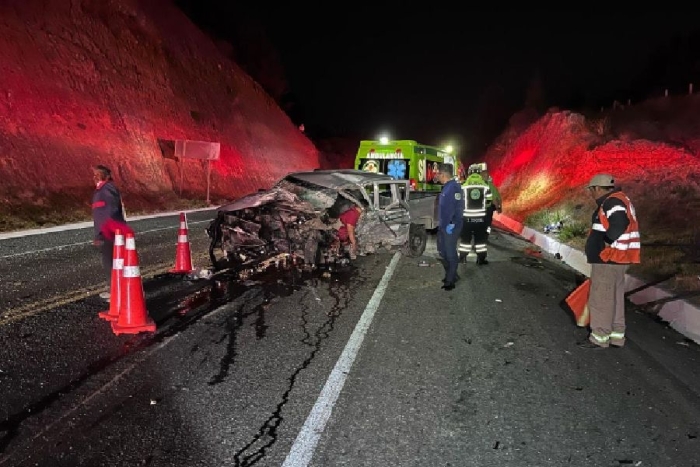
(387,221)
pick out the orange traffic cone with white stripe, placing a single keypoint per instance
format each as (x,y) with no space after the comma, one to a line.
(183,255)
(133,317)
(115,287)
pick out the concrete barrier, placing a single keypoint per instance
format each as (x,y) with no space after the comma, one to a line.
(681,316)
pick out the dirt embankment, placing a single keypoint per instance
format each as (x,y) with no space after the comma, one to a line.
(116,83)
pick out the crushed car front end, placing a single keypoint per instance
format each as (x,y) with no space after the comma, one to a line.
(270,225)
(297,220)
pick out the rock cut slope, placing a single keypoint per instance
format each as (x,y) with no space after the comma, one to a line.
(116,82)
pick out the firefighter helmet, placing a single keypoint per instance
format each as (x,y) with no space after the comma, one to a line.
(474,169)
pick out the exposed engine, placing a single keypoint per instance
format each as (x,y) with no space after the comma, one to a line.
(288,227)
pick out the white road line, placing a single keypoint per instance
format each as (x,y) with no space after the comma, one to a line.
(43,250)
(85,225)
(305,444)
(60,247)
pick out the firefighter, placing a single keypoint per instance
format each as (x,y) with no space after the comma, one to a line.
(496,203)
(477,196)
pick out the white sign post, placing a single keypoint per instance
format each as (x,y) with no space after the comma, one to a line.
(202,150)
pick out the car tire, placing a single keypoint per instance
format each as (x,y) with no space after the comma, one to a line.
(417,240)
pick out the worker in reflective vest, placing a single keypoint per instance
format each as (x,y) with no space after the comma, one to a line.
(477,198)
(612,245)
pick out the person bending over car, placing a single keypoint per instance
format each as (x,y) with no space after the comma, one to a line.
(346,232)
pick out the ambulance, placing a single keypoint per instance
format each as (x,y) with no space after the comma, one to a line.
(406,160)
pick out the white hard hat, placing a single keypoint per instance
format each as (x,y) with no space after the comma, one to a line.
(604,180)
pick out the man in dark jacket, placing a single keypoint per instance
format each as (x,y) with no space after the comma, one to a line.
(450,209)
(613,244)
(107,214)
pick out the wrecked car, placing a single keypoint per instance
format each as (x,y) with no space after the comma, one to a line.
(297,220)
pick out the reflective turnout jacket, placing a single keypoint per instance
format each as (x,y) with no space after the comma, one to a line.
(614,235)
(477,196)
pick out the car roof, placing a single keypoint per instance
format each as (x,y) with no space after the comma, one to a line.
(339,178)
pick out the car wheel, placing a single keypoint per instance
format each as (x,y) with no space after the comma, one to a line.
(417,239)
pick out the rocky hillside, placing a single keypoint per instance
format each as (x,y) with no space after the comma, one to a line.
(542,165)
(652,147)
(115,82)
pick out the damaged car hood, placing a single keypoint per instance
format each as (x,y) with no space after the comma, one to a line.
(338,179)
(276,195)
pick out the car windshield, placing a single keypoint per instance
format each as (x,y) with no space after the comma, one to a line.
(319,197)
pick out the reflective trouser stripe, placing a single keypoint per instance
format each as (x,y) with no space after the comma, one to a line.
(463,247)
(600,339)
(480,248)
(616,336)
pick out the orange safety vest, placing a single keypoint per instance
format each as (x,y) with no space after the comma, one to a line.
(627,248)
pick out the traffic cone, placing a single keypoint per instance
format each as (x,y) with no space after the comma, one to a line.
(133,317)
(183,255)
(115,288)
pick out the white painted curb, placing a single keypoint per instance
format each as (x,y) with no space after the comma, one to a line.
(681,315)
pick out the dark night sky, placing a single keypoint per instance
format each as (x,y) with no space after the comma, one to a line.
(436,73)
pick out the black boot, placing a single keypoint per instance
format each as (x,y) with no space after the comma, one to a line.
(444,281)
(481,259)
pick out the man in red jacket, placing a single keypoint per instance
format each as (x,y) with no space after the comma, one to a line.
(107,216)
(346,233)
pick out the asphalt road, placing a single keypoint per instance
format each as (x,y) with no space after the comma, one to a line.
(64,266)
(369,365)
